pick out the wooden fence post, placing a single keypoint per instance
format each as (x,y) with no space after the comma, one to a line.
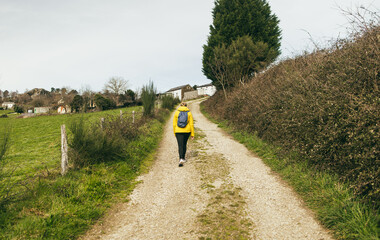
(133,116)
(121,115)
(101,122)
(64,149)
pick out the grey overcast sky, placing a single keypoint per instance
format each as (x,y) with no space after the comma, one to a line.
(82,43)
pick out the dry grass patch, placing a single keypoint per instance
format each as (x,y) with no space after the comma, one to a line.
(225,216)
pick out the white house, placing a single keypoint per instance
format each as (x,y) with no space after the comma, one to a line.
(8,105)
(207,89)
(41,110)
(64,109)
(178,92)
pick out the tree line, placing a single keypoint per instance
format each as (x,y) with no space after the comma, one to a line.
(114,94)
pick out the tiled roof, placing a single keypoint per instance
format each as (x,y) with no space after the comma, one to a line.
(177,88)
(205,85)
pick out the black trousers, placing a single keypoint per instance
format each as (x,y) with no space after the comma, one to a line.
(182,142)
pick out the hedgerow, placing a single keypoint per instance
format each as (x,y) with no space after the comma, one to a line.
(325,106)
(102,141)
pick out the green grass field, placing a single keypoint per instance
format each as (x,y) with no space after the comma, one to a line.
(46,205)
(36,141)
(6,112)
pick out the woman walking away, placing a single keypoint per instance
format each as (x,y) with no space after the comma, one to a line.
(183,126)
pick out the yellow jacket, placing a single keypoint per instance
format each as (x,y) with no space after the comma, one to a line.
(190,122)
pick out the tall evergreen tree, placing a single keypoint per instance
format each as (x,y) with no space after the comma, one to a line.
(234,19)
(77,103)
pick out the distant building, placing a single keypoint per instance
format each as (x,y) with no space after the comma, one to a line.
(8,105)
(64,109)
(179,92)
(207,89)
(38,110)
(61,110)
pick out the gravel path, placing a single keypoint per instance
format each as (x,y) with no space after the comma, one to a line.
(169,200)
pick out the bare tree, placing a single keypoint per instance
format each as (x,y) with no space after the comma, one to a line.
(362,18)
(88,96)
(116,85)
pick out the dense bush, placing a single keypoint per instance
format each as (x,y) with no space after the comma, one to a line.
(168,101)
(324,105)
(122,128)
(77,103)
(18,109)
(104,103)
(91,145)
(148,98)
(101,142)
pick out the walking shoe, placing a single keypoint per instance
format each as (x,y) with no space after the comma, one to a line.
(181,162)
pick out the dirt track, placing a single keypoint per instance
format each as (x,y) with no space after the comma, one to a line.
(223,192)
